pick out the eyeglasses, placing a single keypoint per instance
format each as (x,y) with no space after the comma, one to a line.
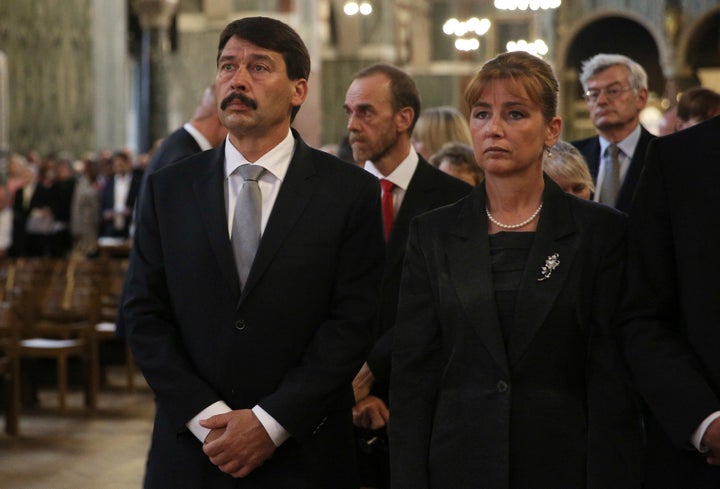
(611,93)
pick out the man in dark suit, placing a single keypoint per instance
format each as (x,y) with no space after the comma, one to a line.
(616,91)
(24,201)
(204,131)
(671,316)
(252,373)
(383,104)
(117,199)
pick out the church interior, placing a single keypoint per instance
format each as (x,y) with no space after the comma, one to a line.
(87,77)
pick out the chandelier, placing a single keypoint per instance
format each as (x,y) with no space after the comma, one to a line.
(353,8)
(527,4)
(538,48)
(462,29)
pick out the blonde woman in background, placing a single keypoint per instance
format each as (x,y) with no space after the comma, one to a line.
(437,126)
(17,174)
(567,167)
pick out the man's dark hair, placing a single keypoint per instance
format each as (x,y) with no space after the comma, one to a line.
(276,36)
(122,155)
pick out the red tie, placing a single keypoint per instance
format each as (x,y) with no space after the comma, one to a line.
(387,205)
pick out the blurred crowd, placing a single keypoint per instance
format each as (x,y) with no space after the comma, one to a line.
(55,204)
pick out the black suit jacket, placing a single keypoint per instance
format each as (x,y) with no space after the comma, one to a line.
(20,217)
(290,342)
(24,243)
(456,375)
(671,317)
(107,202)
(590,149)
(176,146)
(429,189)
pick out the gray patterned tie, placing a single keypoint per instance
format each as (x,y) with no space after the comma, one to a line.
(245,235)
(611,180)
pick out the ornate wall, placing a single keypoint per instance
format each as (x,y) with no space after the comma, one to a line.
(71,82)
(48,44)
(655,34)
(193,69)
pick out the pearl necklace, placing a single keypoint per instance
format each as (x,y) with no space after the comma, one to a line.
(514,226)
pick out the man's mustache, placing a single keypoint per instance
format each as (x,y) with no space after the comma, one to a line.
(238,96)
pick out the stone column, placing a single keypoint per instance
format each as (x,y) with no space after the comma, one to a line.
(155,18)
(4,117)
(672,65)
(4,105)
(115,119)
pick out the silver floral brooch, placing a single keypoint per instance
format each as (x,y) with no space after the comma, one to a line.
(551,263)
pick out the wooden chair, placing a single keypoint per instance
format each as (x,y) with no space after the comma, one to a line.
(58,311)
(115,269)
(10,368)
(105,330)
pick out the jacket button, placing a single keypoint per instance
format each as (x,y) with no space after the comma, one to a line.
(502,386)
(240,324)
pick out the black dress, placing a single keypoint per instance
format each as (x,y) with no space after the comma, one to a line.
(548,415)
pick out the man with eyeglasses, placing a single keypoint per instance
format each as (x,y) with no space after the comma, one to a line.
(616,91)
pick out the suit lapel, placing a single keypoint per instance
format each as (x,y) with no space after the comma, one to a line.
(295,192)
(592,155)
(468,256)
(627,189)
(555,234)
(210,195)
(415,202)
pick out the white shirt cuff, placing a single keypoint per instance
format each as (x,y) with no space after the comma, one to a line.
(277,433)
(193,425)
(698,434)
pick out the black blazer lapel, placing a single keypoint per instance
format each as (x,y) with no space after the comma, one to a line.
(295,192)
(428,189)
(555,234)
(632,176)
(415,202)
(468,257)
(210,195)
(591,151)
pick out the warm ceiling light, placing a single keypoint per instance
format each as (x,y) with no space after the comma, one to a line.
(471,44)
(455,27)
(527,4)
(365,8)
(353,8)
(459,29)
(538,48)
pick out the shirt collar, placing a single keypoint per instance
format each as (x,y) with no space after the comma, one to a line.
(627,145)
(275,161)
(401,175)
(198,136)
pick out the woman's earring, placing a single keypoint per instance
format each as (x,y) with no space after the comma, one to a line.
(549,153)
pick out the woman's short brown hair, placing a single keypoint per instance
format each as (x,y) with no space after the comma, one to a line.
(532,73)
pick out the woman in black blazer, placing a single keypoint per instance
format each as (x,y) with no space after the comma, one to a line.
(506,372)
